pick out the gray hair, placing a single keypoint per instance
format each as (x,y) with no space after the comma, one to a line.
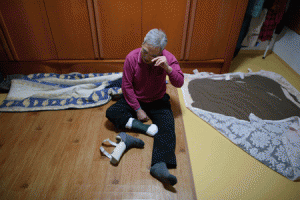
(156,38)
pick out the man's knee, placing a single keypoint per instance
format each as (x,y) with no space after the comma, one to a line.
(115,110)
(110,112)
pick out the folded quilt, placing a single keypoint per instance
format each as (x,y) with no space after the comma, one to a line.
(50,91)
(259,112)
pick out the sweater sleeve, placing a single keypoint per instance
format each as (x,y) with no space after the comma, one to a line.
(176,76)
(127,85)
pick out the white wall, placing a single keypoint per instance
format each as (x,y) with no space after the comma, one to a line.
(287,47)
(252,36)
(261,45)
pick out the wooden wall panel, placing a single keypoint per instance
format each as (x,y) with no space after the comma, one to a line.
(92,19)
(119,23)
(172,17)
(209,28)
(3,55)
(70,25)
(26,25)
(6,41)
(235,29)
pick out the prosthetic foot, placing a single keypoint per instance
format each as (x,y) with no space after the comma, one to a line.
(124,142)
(137,125)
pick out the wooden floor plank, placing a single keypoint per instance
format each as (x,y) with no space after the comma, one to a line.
(55,154)
(16,145)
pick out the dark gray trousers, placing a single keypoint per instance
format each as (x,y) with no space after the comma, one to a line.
(160,113)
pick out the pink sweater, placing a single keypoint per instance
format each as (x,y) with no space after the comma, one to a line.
(145,83)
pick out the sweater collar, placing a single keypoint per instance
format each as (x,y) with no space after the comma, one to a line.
(140,57)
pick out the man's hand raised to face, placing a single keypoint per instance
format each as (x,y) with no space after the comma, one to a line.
(163,63)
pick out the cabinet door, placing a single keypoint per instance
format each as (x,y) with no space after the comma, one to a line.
(3,55)
(119,27)
(171,17)
(209,29)
(70,25)
(27,30)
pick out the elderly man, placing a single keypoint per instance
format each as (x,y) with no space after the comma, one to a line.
(144,97)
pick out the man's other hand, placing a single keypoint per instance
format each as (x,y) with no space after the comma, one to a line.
(142,116)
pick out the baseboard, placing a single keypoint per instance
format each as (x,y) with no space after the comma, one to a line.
(285,64)
(255,52)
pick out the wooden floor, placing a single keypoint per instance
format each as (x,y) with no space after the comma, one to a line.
(55,155)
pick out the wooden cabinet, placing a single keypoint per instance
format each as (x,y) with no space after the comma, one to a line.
(47,30)
(119,27)
(172,17)
(89,36)
(70,28)
(26,30)
(210,29)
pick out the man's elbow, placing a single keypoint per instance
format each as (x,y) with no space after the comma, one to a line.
(179,84)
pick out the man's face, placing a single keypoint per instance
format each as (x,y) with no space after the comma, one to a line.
(148,52)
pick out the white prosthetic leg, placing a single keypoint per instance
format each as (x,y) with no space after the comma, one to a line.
(138,126)
(125,142)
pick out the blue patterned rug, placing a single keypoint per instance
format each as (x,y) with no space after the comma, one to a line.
(50,91)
